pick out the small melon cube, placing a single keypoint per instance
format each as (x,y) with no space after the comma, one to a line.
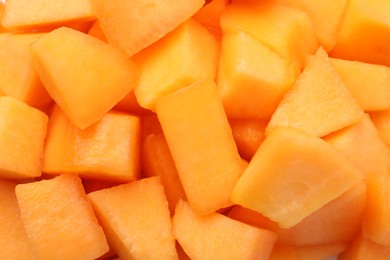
(381,120)
(363,249)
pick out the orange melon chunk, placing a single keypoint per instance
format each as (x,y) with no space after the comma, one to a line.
(18,78)
(307,252)
(59,220)
(252,78)
(292,175)
(14,242)
(215,236)
(107,150)
(381,120)
(96,31)
(2,29)
(202,145)
(26,14)
(362,249)
(185,55)
(135,217)
(22,133)
(210,14)
(149,20)
(318,102)
(83,75)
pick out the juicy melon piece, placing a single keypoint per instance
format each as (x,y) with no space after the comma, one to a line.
(365,32)
(210,14)
(318,102)
(307,252)
(59,220)
(18,78)
(14,242)
(22,133)
(252,78)
(215,236)
(37,14)
(107,150)
(84,76)
(363,249)
(96,31)
(135,217)
(131,25)
(381,120)
(185,55)
(202,145)
(362,144)
(292,175)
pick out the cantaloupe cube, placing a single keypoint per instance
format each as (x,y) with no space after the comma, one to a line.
(368,83)
(284,253)
(96,31)
(59,220)
(131,25)
(318,102)
(136,219)
(83,75)
(248,133)
(215,236)
(150,125)
(130,104)
(187,54)
(362,249)
(362,144)
(365,32)
(14,242)
(381,120)
(252,78)
(202,145)
(306,252)
(157,161)
(107,150)
(292,175)
(22,134)
(26,14)
(18,78)
(210,14)
(286,30)
(326,16)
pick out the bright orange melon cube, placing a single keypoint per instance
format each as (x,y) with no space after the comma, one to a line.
(107,150)
(136,218)
(215,236)
(210,14)
(84,76)
(202,145)
(96,31)
(133,25)
(14,242)
(59,220)
(381,120)
(363,249)
(22,133)
(185,55)
(292,175)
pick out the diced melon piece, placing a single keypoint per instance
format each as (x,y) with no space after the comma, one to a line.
(284,253)
(84,76)
(202,145)
(187,54)
(157,161)
(362,144)
(132,25)
(368,83)
(326,16)
(107,150)
(363,249)
(96,31)
(318,102)
(365,32)
(136,219)
(150,125)
(286,30)
(14,242)
(248,133)
(292,175)
(59,220)
(130,104)
(252,78)
(210,14)
(381,120)
(27,14)
(22,133)
(215,236)
(18,78)
(307,252)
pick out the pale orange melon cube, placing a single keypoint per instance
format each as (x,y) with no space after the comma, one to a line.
(130,25)
(292,175)
(22,133)
(202,145)
(107,150)
(59,219)
(14,242)
(83,75)
(363,249)
(215,236)
(185,55)
(136,219)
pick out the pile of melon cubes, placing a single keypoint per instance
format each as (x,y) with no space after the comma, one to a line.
(165,129)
